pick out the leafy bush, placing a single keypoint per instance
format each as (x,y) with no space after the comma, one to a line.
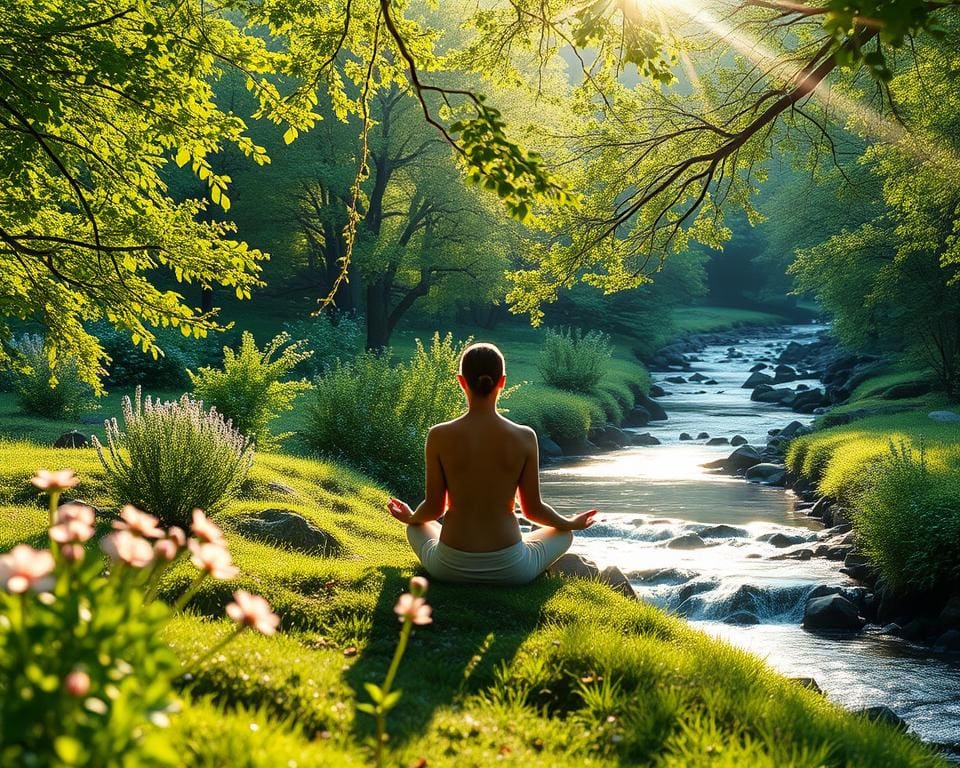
(908,521)
(249,390)
(563,416)
(131,366)
(54,392)
(329,340)
(375,415)
(573,360)
(173,457)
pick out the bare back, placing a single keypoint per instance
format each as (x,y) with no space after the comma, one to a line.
(480,459)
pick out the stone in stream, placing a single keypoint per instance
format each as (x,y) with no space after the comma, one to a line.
(644,439)
(738,440)
(718,441)
(758,367)
(657,391)
(676,380)
(657,576)
(687,541)
(765,473)
(697,378)
(755,380)
(685,436)
(711,382)
(723,531)
(794,429)
(882,714)
(582,567)
(702,436)
(610,437)
(652,407)
(549,448)
(741,618)
(743,457)
(637,417)
(781,540)
(783,374)
(767,394)
(831,612)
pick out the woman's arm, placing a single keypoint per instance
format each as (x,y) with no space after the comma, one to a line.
(533,507)
(434,503)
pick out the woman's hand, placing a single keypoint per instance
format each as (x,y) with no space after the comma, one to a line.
(400,510)
(581,521)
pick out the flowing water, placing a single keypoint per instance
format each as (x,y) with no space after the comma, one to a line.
(650,495)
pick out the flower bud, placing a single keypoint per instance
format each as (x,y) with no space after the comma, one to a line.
(418,586)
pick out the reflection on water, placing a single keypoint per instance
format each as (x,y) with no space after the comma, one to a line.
(650,496)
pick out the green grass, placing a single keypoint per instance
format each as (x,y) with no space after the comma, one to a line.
(563,672)
(708,319)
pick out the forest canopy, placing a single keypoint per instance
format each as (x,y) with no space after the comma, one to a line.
(613,132)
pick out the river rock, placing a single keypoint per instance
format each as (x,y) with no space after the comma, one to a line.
(653,408)
(610,437)
(758,367)
(570,564)
(686,436)
(638,416)
(944,417)
(676,380)
(948,641)
(806,401)
(697,378)
(687,541)
(549,448)
(657,391)
(764,472)
(72,439)
(703,436)
(882,714)
(781,540)
(741,618)
(723,531)
(285,527)
(756,379)
(711,382)
(656,576)
(644,439)
(743,457)
(807,682)
(783,374)
(857,566)
(738,440)
(831,612)
(718,441)
(614,577)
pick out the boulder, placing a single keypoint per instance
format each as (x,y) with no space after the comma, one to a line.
(781,540)
(711,382)
(614,577)
(284,527)
(831,612)
(806,401)
(610,437)
(638,416)
(741,618)
(908,389)
(756,379)
(657,391)
(687,541)
(644,439)
(783,373)
(944,417)
(807,682)
(718,441)
(722,531)
(783,396)
(697,378)
(549,448)
(882,714)
(685,436)
(794,429)
(948,641)
(738,440)
(743,457)
(72,439)
(758,367)
(702,436)
(676,380)
(763,472)
(857,566)
(652,407)
(570,564)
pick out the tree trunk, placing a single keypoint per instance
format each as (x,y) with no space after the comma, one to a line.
(378,315)
(206,300)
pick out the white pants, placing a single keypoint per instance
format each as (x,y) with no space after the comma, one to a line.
(519,563)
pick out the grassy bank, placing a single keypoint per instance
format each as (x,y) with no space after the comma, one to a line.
(705,319)
(896,471)
(563,672)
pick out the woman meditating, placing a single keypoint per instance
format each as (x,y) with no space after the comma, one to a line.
(477,465)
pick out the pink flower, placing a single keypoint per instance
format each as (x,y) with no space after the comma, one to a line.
(72,552)
(77,683)
(60,480)
(140,523)
(24,568)
(73,523)
(253,611)
(418,586)
(165,549)
(413,608)
(212,558)
(205,530)
(127,547)
(177,536)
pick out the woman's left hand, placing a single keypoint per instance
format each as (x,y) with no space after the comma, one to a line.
(400,510)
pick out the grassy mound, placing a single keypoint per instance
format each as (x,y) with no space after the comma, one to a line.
(558,673)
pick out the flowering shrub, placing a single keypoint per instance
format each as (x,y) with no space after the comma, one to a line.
(329,339)
(411,609)
(52,391)
(251,389)
(171,458)
(573,360)
(85,678)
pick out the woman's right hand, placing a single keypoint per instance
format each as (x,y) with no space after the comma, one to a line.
(581,521)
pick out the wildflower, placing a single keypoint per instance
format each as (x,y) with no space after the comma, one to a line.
(165,549)
(140,523)
(212,558)
(126,546)
(77,683)
(24,568)
(72,523)
(418,586)
(59,480)
(205,530)
(72,552)
(177,536)
(413,608)
(253,611)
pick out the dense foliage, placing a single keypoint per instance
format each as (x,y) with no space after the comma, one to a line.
(53,390)
(375,415)
(328,339)
(253,387)
(170,458)
(574,360)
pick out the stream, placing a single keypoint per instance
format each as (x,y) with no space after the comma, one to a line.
(650,495)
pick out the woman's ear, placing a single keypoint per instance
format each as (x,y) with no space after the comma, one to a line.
(503,382)
(462,381)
